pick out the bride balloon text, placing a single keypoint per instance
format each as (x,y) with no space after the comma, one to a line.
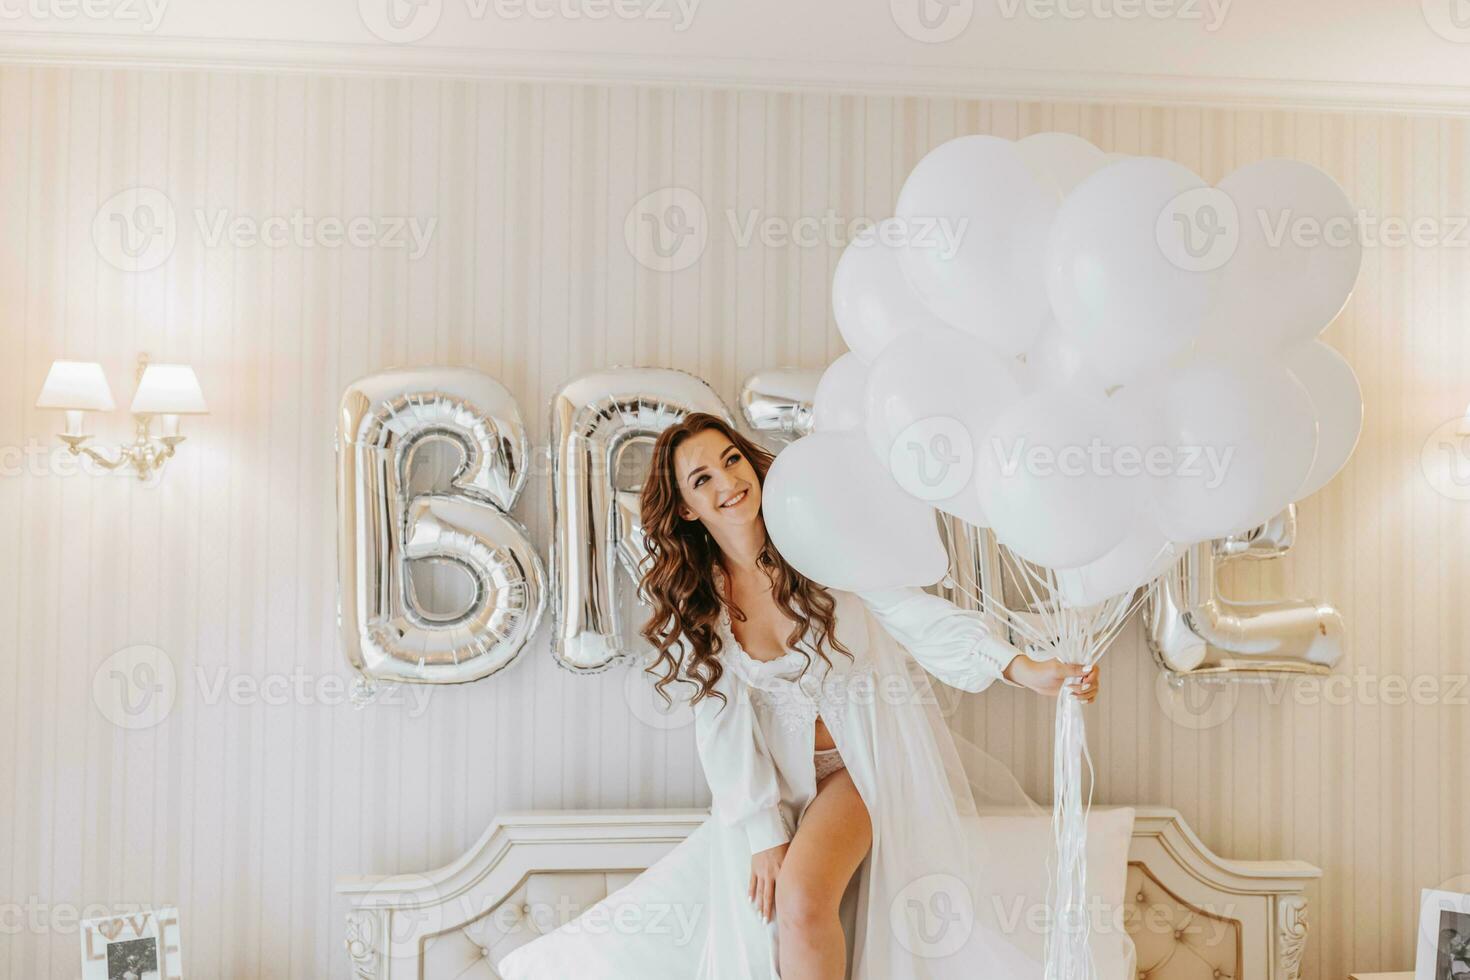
(392,529)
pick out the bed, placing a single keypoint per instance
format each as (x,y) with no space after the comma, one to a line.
(1191,914)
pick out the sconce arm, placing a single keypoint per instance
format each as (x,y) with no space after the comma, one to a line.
(74,444)
(146,455)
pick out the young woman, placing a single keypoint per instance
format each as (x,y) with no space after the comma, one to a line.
(827,758)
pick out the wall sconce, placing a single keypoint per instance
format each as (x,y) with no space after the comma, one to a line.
(1464,429)
(167,390)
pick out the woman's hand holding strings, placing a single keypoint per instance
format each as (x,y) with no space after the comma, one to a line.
(1052,677)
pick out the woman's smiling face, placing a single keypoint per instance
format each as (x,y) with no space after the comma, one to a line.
(717,484)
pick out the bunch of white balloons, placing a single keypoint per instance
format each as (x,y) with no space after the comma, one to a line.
(1102,358)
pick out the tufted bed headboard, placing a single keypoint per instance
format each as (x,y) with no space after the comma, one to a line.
(1191,915)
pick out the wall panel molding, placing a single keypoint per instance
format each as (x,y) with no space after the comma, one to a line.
(812,75)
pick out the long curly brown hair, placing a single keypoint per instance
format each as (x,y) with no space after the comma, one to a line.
(679,576)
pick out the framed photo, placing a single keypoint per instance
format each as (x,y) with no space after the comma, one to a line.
(137,946)
(1444,937)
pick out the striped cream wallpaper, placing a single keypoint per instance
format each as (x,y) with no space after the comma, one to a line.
(260,785)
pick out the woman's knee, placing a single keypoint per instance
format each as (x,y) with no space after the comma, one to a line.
(804,905)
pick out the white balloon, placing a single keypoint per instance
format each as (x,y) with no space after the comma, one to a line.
(980,268)
(1060,161)
(1136,407)
(1054,361)
(1296,260)
(1136,560)
(838,517)
(1118,273)
(930,400)
(1242,435)
(871,299)
(1041,486)
(1338,401)
(840,399)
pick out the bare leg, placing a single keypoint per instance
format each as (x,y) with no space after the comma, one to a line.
(830,844)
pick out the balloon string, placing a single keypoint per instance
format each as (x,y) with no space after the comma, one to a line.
(1069,954)
(1093,627)
(1080,636)
(991,603)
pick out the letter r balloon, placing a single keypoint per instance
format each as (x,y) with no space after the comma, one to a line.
(595,419)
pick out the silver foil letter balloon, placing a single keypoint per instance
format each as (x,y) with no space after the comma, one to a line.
(460,526)
(599,422)
(1194,630)
(778,403)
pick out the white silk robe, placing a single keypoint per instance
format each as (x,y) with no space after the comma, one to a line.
(910,914)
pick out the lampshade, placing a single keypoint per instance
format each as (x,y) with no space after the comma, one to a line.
(1465,422)
(76,385)
(169,389)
